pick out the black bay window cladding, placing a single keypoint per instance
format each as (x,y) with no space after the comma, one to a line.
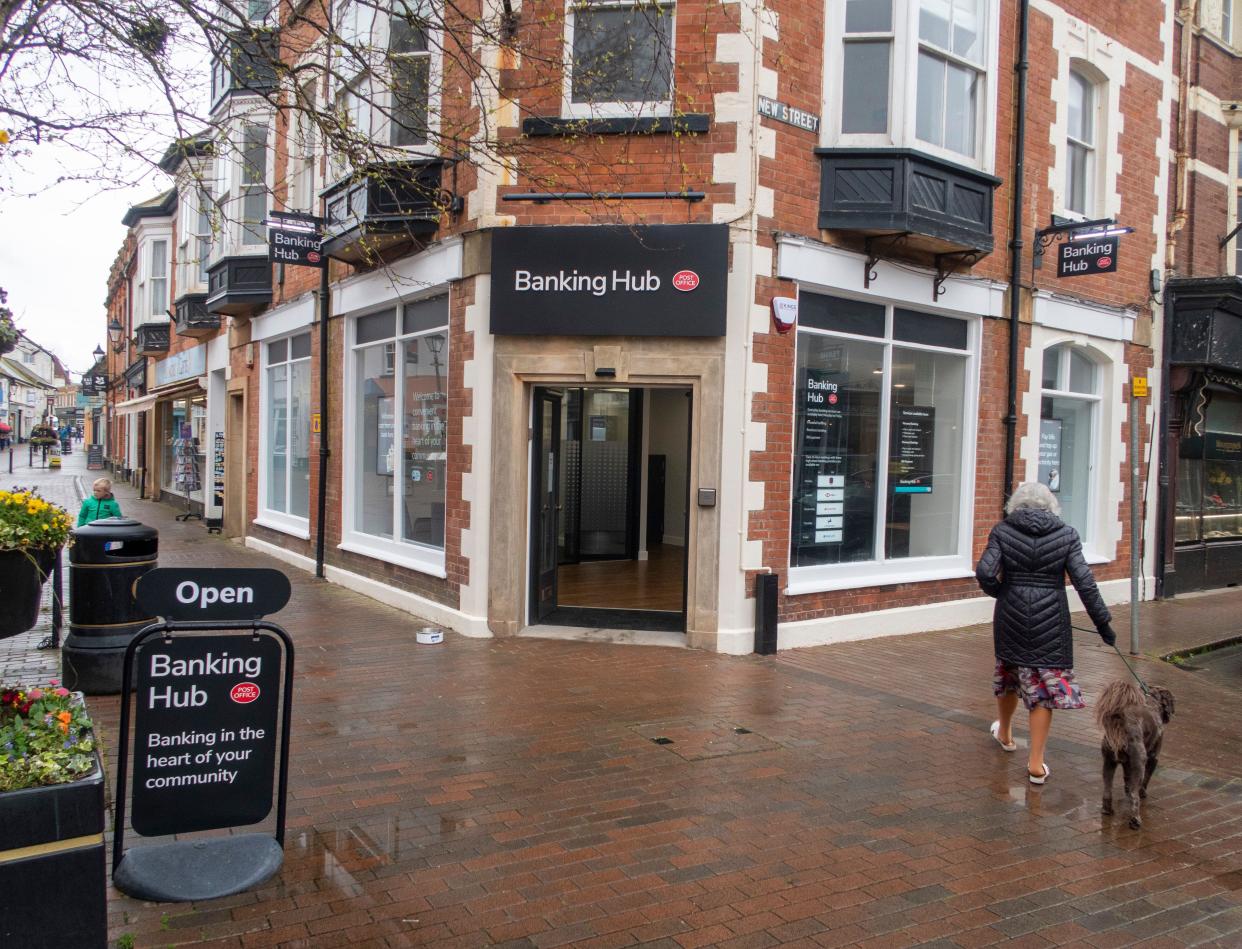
(876,191)
(605,280)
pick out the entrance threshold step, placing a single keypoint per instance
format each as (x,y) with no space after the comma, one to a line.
(632,637)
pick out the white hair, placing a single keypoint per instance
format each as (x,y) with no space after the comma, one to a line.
(1033,494)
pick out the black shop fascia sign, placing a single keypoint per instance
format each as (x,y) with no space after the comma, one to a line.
(610,280)
(1080,258)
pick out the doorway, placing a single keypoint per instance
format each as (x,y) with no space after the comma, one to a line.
(235,466)
(610,507)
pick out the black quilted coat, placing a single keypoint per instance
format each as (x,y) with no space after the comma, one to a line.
(1024,567)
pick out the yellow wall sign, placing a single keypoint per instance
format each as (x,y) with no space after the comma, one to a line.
(1138,387)
(315,423)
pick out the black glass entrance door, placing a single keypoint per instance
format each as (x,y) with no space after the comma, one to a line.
(546,503)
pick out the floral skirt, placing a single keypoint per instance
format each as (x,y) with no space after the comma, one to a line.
(1045,688)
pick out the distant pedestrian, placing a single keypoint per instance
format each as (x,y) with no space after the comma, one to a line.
(1024,567)
(100,504)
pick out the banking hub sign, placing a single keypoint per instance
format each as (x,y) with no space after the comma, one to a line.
(604,280)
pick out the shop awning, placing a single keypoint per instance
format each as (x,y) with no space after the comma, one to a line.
(135,405)
(192,387)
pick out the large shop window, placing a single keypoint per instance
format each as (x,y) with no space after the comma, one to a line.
(287,430)
(1069,418)
(399,421)
(882,460)
(183,438)
(1209,471)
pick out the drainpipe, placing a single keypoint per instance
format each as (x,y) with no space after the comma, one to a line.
(1188,14)
(1015,247)
(321,502)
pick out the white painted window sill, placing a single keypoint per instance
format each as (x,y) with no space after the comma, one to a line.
(804,580)
(431,562)
(293,526)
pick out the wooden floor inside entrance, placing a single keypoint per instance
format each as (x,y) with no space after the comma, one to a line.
(651,584)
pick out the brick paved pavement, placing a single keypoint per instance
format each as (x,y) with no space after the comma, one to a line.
(21,661)
(509,793)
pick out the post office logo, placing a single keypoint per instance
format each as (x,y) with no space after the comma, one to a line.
(685,280)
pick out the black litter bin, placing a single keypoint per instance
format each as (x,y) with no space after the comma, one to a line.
(106,559)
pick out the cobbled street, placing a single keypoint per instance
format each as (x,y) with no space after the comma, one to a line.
(509,792)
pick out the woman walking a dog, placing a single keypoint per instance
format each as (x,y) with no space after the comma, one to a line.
(1024,566)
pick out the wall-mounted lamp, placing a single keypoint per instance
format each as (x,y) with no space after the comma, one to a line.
(115,332)
(98,353)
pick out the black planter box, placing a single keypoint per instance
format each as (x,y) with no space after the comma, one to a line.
(52,865)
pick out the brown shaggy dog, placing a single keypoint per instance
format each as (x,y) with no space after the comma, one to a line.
(1133,726)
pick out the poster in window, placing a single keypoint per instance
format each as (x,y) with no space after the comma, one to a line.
(599,428)
(1050,453)
(821,460)
(217,470)
(385,445)
(914,445)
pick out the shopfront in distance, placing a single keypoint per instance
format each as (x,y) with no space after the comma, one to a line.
(1201,509)
(608,351)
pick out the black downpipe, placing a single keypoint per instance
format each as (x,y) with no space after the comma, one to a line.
(321,502)
(1015,246)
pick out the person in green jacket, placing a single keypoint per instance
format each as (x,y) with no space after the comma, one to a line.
(100,504)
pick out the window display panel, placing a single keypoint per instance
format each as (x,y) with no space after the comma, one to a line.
(836,452)
(425,440)
(1222,466)
(927,402)
(184,454)
(277,436)
(1188,522)
(299,435)
(375,454)
(1065,444)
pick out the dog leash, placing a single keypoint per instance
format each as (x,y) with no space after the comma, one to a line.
(1137,678)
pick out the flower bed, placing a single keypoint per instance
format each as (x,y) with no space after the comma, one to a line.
(51,820)
(45,737)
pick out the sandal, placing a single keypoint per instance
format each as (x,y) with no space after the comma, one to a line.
(995,730)
(1039,778)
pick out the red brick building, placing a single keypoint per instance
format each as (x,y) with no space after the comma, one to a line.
(558,394)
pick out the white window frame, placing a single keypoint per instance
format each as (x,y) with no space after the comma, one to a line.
(278,520)
(194,250)
(396,551)
(1089,537)
(362,77)
(822,578)
(158,302)
(616,110)
(228,191)
(1098,89)
(303,175)
(903,86)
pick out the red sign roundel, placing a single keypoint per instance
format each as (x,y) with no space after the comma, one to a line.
(313,256)
(685,280)
(1104,261)
(244,693)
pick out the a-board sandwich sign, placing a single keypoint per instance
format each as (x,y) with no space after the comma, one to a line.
(211,700)
(205,730)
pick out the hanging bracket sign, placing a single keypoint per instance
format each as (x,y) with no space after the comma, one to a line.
(1081,258)
(296,239)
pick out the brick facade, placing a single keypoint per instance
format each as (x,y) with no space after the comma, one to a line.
(763,179)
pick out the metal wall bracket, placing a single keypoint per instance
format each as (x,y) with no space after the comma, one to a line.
(949,264)
(876,249)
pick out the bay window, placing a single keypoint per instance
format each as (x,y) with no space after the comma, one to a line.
(882,458)
(913,73)
(285,487)
(254,185)
(303,150)
(387,59)
(158,273)
(621,58)
(399,391)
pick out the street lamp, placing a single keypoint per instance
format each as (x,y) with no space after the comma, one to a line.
(98,353)
(115,331)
